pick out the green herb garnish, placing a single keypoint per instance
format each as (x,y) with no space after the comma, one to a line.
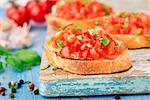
(148,59)
(124,14)
(21,60)
(138,31)
(93,32)
(126,24)
(97,23)
(60,44)
(77,27)
(79,37)
(105,41)
(1,67)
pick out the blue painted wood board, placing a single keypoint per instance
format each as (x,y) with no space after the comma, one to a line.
(136,80)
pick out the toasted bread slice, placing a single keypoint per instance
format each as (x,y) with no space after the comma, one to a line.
(56,22)
(85,67)
(133,41)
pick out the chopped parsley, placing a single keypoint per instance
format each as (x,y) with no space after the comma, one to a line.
(126,24)
(97,23)
(124,14)
(60,44)
(78,27)
(93,32)
(138,31)
(79,37)
(105,41)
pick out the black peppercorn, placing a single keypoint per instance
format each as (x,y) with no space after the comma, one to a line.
(36,92)
(117,97)
(3,93)
(9,83)
(18,85)
(13,90)
(21,82)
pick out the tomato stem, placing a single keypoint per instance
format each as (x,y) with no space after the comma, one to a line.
(13,3)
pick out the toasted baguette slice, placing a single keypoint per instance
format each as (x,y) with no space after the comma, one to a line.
(133,41)
(56,22)
(85,67)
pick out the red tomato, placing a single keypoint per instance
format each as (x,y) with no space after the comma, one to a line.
(94,54)
(65,52)
(37,9)
(17,13)
(87,47)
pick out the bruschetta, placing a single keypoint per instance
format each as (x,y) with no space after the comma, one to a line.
(83,12)
(86,51)
(131,28)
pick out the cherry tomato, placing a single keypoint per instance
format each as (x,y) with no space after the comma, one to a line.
(17,13)
(37,9)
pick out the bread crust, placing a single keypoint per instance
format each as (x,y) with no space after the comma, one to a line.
(56,22)
(133,41)
(86,67)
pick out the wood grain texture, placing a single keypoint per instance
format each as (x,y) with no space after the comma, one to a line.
(136,80)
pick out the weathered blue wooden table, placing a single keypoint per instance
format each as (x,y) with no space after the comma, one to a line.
(33,75)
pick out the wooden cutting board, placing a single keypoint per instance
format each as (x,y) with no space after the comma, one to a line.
(56,82)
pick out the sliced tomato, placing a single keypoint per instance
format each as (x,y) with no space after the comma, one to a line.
(85,54)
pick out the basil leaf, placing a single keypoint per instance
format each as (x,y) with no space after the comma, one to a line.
(60,44)
(93,32)
(138,31)
(77,27)
(4,51)
(79,37)
(2,67)
(28,57)
(15,63)
(105,41)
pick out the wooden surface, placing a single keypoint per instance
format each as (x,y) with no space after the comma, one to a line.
(136,80)
(33,75)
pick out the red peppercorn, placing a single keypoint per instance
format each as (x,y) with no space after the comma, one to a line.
(31,86)
(2,89)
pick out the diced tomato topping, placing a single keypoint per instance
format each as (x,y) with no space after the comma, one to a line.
(94,54)
(65,52)
(127,23)
(85,45)
(78,9)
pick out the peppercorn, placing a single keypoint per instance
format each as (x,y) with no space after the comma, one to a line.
(36,91)
(117,97)
(3,93)
(11,95)
(13,83)
(13,90)
(9,83)
(2,89)
(21,81)
(18,85)
(31,86)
